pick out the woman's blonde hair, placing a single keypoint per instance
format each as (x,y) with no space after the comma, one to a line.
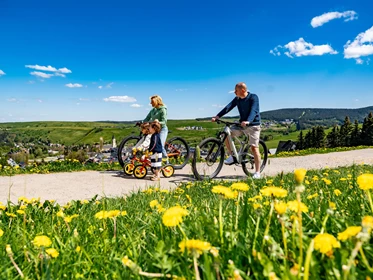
(157,101)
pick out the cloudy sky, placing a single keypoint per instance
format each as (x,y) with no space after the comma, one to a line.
(101,60)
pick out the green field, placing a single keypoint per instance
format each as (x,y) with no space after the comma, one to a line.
(75,133)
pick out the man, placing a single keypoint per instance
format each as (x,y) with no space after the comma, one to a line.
(248,108)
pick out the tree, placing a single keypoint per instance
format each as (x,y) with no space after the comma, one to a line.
(345,133)
(300,145)
(308,140)
(319,137)
(355,134)
(332,137)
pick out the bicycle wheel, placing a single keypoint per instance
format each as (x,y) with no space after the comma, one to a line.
(208,162)
(168,171)
(140,171)
(128,168)
(125,149)
(178,152)
(248,162)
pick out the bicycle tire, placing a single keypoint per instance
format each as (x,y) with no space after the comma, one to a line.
(186,151)
(168,170)
(264,157)
(124,156)
(199,171)
(140,171)
(128,168)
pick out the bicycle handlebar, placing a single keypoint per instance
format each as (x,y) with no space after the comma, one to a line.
(227,123)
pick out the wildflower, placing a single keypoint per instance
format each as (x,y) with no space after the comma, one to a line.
(174,216)
(153,203)
(194,246)
(8,249)
(293,206)
(368,222)
(257,197)
(307,182)
(274,191)
(77,249)
(84,201)
(349,232)
(2,207)
(226,192)
(42,241)
(242,187)
(68,219)
(256,206)
(60,214)
(343,179)
(332,205)
(1,232)
(12,215)
(123,213)
(337,192)
(214,251)
(299,175)
(52,252)
(365,181)
(107,214)
(280,207)
(312,196)
(327,181)
(21,212)
(325,242)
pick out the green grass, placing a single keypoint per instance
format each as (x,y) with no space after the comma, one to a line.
(246,235)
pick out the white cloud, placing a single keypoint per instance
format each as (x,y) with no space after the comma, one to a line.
(109,85)
(41,74)
(2,73)
(49,69)
(39,100)
(60,75)
(361,46)
(326,17)
(218,106)
(122,99)
(181,89)
(303,48)
(31,82)
(136,105)
(70,85)
(100,87)
(12,100)
(83,99)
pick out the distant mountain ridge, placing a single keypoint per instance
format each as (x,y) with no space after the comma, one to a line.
(309,114)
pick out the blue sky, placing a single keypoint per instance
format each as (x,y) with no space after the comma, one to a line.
(101,60)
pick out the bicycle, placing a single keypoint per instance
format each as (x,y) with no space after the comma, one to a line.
(209,160)
(177,150)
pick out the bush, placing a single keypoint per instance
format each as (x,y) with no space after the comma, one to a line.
(80,155)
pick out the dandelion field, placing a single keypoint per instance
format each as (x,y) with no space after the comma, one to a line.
(314,225)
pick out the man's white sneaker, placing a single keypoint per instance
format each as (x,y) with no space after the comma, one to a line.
(229,160)
(256,175)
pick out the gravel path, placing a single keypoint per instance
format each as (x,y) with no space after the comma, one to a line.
(64,187)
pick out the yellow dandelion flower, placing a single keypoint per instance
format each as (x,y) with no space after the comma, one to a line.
(107,214)
(349,232)
(332,205)
(160,208)
(365,181)
(368,222)
(153,203)
(60,214)
(226,192)
(84,201)
(325,242)
(2,207)
(337,192)
(242,187)
(343,179)
(77,249)
(21,212)
(255,198)
(22,207)
(1,232)
(194,246)
(299,175)
(42,241)
(174,216)
(52,252)
(312,196)
(274,191)
(257,205)
(123,213)
(280,207)
(293,206)
(12,215)
(307,182)
(214,251)
(68,219)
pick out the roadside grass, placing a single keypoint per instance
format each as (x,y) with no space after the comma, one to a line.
(314,225)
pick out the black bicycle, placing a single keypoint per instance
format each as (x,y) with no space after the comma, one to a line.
(208,158)
(177,149)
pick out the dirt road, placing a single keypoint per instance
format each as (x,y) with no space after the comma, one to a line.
(64,187)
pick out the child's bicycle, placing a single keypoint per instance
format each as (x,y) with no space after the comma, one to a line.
(138,166)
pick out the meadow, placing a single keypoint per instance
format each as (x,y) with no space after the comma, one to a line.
(306,225)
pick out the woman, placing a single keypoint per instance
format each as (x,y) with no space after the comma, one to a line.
(159,113)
